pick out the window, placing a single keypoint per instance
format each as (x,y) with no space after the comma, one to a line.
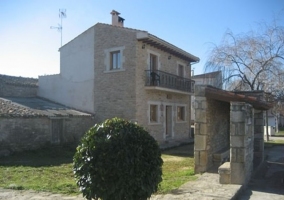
(115,61)
(180,70)
(180,113)
(154,113)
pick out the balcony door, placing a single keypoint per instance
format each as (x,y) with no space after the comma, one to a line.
(153,62)
(180,70)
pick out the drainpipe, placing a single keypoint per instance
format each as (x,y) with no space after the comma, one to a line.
(190,64)
(266,119)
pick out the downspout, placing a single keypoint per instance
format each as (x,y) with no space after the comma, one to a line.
(191,135)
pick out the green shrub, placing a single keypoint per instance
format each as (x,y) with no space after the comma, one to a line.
(118,160)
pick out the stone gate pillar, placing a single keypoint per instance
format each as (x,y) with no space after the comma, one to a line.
(241,142)
(201,152)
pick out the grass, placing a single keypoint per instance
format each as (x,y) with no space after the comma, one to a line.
(50,170)
(277,139)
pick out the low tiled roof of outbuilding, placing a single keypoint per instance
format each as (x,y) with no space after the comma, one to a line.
(34,107)
(18,80)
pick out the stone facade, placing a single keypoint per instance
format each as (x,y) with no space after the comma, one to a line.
(242,142)
(22,133)
(223,123)
(212,129)
(25,128)
(122,92)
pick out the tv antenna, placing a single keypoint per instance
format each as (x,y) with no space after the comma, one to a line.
(62,14)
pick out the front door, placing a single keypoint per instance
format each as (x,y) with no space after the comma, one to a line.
(169,122)
(56,131)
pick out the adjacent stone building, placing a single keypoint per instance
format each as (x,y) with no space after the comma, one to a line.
(18,86)
(30,123)
(114,71)
(229,132)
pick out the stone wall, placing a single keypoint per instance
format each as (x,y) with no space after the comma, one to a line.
(259,123)
(17,86)
(242,142)
(23,133)
(219,117)
(122,92)
(19,134)
(212,129)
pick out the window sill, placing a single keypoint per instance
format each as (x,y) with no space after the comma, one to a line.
(114,70)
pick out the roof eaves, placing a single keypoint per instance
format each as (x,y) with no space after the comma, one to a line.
(160,43)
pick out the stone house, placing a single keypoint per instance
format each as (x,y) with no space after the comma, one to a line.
(29,122)
(114,71)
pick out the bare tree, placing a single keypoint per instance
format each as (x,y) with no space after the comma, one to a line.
(250,61)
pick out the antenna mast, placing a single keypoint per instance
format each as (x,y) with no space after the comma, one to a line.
(62,14)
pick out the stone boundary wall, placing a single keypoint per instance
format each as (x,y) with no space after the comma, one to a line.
(23,133)
(18,86)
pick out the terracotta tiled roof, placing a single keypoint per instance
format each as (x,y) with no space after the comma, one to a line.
(34,107)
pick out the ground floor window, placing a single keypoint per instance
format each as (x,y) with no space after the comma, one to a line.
(180,113)
(154,113)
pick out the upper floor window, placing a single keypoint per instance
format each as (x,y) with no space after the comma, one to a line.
(114,59)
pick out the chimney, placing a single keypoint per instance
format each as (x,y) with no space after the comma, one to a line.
(116,20)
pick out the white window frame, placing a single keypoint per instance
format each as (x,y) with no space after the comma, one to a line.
(184,114)
(108,59)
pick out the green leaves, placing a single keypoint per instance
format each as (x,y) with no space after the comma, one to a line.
(118,160)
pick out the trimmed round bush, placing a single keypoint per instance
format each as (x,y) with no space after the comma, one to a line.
(118,160)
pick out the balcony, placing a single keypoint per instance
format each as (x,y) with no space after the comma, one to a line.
(168,82)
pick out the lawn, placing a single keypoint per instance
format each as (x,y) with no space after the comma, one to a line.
(50,169)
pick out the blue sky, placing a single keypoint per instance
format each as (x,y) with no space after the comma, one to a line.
(29,48)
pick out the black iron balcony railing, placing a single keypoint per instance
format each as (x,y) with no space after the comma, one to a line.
(166,80)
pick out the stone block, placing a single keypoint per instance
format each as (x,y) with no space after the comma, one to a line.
(200,116)
(203,158)
(197,128)
(225,173)
(200,142)
(204,129)
(237,116)
(238,173)
(237,141)
(237,154)
(237,128)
